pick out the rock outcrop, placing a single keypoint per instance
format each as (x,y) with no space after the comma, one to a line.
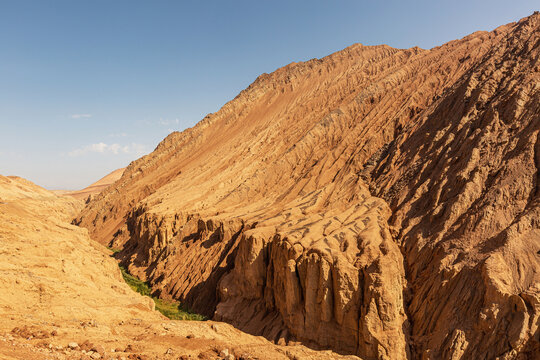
(462,182)
(63,296)
(378,202)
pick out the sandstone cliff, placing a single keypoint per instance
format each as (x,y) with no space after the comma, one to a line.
(62,296)
(378,202)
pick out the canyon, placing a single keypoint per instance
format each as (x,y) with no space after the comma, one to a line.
(377,203)
(63,296)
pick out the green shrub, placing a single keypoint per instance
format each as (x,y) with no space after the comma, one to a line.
(137,285)
(170,308)
(114,250)
(173,310)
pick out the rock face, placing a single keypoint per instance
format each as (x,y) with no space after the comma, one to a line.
(378,202)
(463,185)
(63,296)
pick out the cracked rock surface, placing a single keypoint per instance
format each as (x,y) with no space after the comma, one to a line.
(378,202)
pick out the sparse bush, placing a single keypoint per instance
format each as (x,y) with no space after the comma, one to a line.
(170,308)
(137,285)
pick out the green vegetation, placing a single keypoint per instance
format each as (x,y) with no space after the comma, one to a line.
(171,309)
(137,285)
(114,250)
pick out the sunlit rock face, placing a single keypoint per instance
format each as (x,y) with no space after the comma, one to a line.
(378,202)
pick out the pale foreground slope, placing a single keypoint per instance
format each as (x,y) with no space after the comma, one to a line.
(381,202)
(57,287)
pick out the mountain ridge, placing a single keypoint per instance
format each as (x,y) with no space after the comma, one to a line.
(300,201)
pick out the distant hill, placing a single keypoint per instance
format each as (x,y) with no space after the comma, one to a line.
(95,188)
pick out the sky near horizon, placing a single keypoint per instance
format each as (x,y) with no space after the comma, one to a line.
(86,87)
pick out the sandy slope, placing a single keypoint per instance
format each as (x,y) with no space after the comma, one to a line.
(58,287)
(95,188)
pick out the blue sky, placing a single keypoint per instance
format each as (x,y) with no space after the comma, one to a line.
(88,86)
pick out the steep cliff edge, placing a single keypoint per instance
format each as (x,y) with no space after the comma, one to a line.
(363,202)
(63,296)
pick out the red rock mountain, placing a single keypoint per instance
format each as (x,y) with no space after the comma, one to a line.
(379,202)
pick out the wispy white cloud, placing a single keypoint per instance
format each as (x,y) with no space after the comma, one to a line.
(81,116)
(162,122)
(139,149)
(115,149)
(167,122)
(123,134)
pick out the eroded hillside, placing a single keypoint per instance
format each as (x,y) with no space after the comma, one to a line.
(62,296)
(378,202)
